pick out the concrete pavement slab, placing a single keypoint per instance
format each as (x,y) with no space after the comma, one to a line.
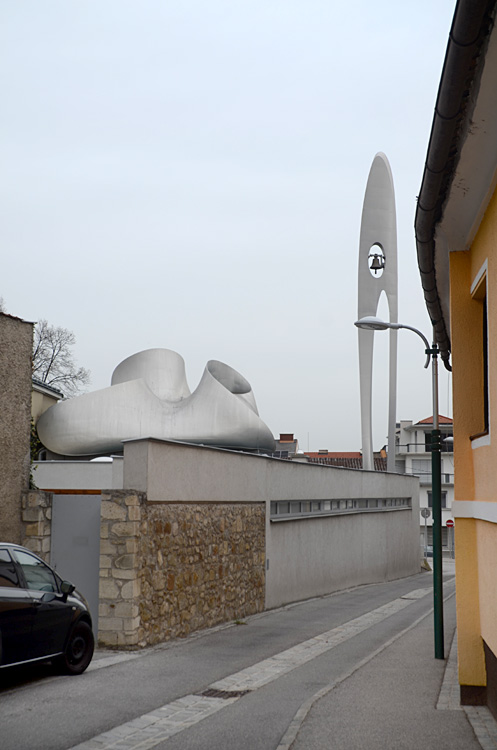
(391,702)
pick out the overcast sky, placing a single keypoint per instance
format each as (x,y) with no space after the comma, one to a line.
(190,175)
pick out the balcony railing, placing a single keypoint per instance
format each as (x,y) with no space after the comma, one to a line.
(425,478)
(423,447)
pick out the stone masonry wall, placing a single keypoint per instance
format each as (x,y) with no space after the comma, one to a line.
(36,522)
(121,525)
(169,569)
(202,564)
(166,570)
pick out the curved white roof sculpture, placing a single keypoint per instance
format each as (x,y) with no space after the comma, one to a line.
(149,397)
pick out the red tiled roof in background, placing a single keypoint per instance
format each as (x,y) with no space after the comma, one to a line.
(332,454)
(441,420)
(350,460)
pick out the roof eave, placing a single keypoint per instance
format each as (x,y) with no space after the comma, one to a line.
(459,85)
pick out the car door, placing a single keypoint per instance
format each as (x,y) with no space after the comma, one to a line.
(52,613)
(16,614)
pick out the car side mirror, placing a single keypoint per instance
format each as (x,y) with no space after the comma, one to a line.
(67,588)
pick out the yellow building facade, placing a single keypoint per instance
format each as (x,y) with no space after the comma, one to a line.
(473,324)
(456,236)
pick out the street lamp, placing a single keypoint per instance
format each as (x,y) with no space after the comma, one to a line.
(372,323)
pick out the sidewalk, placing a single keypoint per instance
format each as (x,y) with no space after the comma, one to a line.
(402,698)
(374,693)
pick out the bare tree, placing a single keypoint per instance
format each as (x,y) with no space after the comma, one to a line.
(53,361)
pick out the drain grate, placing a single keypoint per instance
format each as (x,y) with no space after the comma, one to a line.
(213,693)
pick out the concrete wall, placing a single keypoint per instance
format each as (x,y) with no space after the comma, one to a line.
(200,536)
(16,344)
(167,471)
(315,556)
(307,556)
(78,475)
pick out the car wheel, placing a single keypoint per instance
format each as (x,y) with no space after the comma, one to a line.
(79,649)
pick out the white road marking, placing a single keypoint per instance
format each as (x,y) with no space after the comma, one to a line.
(149,730)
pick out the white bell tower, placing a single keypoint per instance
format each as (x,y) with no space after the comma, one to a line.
(377,274)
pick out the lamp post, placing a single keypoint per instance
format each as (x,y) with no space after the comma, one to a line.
(376,324)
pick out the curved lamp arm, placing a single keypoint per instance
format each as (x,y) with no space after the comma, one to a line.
(371,323)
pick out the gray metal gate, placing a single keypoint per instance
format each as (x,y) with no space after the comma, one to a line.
(75,546)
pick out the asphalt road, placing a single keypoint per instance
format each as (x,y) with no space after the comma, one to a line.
(263,672)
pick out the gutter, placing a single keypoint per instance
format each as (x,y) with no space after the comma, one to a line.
(461,71)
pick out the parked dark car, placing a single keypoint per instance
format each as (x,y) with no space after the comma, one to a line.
(42,617)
